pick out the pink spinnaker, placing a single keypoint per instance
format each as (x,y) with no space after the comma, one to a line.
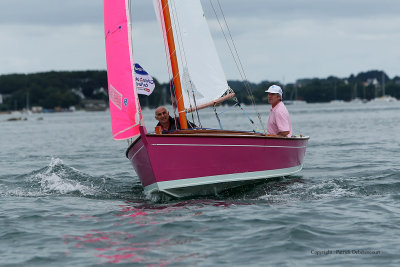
(124,105)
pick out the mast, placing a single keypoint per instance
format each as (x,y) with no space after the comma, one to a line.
(174,64)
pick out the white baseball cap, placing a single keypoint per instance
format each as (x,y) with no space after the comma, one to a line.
(275,89)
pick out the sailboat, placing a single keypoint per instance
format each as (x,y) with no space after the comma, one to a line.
(384,98)
(187,162)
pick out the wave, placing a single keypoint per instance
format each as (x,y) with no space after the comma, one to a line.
(60,179)
(358,186)
(356,182)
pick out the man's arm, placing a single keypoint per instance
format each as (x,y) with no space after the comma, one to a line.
(284,134)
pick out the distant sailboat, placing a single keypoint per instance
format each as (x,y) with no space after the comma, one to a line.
(384,97)
(335,100)
(294,98)
(355,99)
(187,162)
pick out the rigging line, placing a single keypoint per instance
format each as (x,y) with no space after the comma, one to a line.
(197,111)
(236,59)
(187,81)
(222,112)
(226,39)
(233,44)
(216,115)
(238,68)
(247,85)
(246,114)
(168,62)
(130,34)
(236,53)
(181,47)
(231,38)
(241,65)
(177,33)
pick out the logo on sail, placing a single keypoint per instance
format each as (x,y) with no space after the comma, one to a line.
(144,82)
(115,97)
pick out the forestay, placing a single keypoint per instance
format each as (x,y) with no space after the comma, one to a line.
(124,104)
(199,65)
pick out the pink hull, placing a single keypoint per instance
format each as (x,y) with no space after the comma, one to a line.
(188,160)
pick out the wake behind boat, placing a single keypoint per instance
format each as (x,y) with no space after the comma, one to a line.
(189,161)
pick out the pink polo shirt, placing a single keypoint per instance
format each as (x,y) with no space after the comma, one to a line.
(279,120)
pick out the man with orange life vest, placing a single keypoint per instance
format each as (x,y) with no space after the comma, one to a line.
(168,123)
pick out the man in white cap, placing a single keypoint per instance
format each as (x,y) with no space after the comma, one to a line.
(279,120)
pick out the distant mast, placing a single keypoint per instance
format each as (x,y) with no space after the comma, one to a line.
(174,64)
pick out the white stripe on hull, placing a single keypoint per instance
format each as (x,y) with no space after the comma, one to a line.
(212,145)
(170,187)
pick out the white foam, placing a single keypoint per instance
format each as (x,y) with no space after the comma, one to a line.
(53,182)
(55,179)
(54,162)
(326,189)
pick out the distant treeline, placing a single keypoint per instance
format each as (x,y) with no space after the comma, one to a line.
(65,89)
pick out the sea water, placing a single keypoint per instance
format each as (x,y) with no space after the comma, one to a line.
(69,196)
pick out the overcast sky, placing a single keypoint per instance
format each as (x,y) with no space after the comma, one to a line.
(277,40)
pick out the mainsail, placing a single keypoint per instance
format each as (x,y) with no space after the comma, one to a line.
(124,104)
(200,69)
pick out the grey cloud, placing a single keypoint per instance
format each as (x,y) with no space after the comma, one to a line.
(334,25)
(319,9)
(50,12)
(60,12)
(63,12)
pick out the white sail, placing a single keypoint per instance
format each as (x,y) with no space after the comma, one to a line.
(200,69)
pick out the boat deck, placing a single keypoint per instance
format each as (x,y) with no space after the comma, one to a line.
(221,133)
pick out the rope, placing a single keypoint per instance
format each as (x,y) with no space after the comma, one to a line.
(237,61)
(216,115)
(169,67)
(188,83)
